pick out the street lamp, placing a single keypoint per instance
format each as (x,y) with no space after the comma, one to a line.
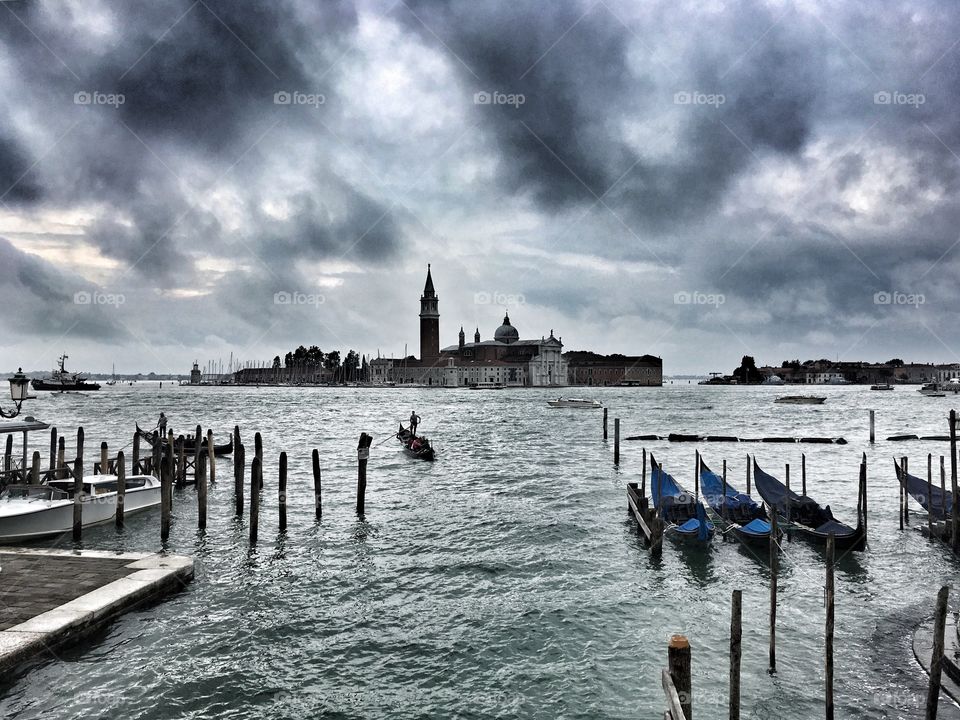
(18,392)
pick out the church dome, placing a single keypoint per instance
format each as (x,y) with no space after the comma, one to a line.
(506,333)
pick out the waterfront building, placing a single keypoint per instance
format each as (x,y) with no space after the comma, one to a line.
(588,368)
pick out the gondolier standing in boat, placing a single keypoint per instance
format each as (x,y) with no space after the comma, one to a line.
(162,425)
(414,421)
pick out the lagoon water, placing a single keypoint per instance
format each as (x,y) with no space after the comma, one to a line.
(504,580)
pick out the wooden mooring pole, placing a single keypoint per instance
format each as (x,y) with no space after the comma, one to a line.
(936,660)
(604,423)
(197,446)
(78,497)
(53,451)
(181,462)
(363,454)
(317,501)
(211,457)
(202,493)
(282,492)
(736,635)
(35,468)
(803,474)
(774,567)
(955,519)
(254,498)
(828,661)
(906,495)
(240,458)
(79,455)
(135,457)
(258,454)
(787,502)
(678,664)
(616,441)
(748,473)
(903,468)
(121,488)
(930,494)
(61,457)
(872,426)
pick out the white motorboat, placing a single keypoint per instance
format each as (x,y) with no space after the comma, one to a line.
(563,402)
(801,399)
(931,390)
(882,386)
(29,512)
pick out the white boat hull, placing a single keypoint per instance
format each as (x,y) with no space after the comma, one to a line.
(31,519)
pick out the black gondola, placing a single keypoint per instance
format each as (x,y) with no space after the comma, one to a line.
(808,517)
(937,502)
(189,446)
(416,446)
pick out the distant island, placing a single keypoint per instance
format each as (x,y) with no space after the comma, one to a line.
(834,372)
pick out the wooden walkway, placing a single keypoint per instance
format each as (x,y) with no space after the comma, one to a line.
(52,597)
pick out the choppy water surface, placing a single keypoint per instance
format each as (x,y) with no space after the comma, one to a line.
(506,579)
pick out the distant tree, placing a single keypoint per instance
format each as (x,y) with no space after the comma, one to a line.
(896,362)
(350,364)
(747,372)
(276,362)
(332,363)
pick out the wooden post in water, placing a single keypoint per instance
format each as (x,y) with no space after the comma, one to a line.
(62,458)
(258,453)
(696,476)
(936,660)
(197,446)
(616,441)
(254,498)
(104,458)
(678,664)
(828,662)
(202,493)
(135,458)
(774,567)
(121,488)
(8,454)
(604,423)
(930,494)
(237,470)
(736,634)
(643,474)
(943,491)
(955,520)
(863,480)
(906,495)
(78,496)
(748,473)
(787,501)
(53,451)
(872,434)
(35,468)
(803,474)
(156,454)
(903,468)
(317,503)
(79,455)
(181,461)
(363,454)
(723,498)
(282,492)
(241,459)
(212,457)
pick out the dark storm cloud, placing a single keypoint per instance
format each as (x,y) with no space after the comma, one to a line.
(16,186)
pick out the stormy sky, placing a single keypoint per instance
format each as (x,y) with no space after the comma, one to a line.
(696,180)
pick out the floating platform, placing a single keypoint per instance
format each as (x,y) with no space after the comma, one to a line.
(49,598)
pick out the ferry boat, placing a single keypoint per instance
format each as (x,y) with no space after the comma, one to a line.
(62,381)
(882,386)
(29,512)
(563,402)
(486,385)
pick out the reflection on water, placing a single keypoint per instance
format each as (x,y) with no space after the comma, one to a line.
(504,579)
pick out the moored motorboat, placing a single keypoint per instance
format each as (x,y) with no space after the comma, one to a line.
(801,399)
(562,402)
(29,512)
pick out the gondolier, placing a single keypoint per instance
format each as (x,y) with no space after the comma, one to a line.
(162,425)
(414,422)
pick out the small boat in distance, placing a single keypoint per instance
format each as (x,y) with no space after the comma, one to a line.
(487,385)
(113,377)
(931,390)
(882,386)
(62,381)
(416,446)
(562,402)
(801,399)
(29,512)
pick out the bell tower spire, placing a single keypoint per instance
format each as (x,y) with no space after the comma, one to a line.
(429,323)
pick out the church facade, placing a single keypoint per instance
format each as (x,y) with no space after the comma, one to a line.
(505,360)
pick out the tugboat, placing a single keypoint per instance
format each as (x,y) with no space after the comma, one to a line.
(63,381)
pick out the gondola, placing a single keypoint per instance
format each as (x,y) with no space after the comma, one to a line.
(189,445)
(745,519)
(409,441)
(808,517)
(937,502)
(684,514)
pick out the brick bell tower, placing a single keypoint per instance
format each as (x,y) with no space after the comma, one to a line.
(429,324)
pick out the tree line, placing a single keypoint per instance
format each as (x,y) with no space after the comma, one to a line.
(352,368)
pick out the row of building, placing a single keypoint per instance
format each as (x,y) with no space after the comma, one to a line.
(822,372)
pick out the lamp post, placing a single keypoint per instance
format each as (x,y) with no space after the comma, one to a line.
(19,384)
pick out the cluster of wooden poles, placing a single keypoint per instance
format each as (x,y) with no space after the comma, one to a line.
(676,678)
(172,466)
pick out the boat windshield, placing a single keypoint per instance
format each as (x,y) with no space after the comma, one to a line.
(35,492)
